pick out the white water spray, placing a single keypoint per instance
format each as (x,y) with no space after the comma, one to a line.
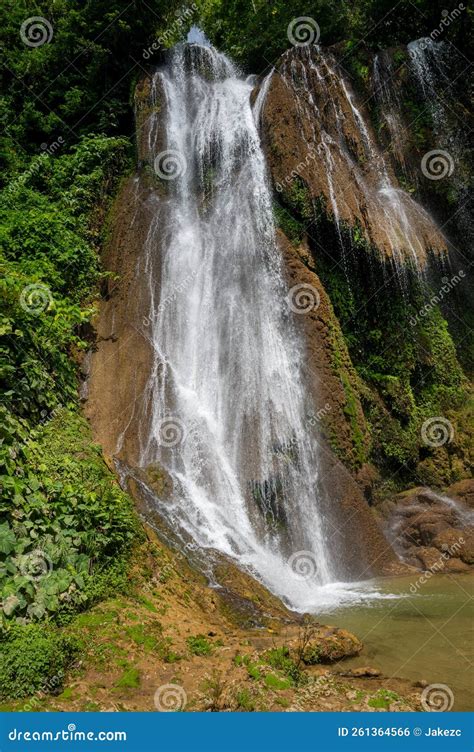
(226,395)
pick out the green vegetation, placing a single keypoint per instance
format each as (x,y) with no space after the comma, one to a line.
(79,81)
(276,682)
(255,33)
(66,523)
(130,679)
(281,659)
(33,658)
(244,700)
(383,698)
(407,366)
(66,528)
(199,645)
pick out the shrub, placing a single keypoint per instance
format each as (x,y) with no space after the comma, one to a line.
(34,659)
(199,645)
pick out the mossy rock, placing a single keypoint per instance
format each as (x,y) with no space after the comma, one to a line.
(331,645)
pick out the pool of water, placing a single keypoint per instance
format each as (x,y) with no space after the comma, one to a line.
(415,630)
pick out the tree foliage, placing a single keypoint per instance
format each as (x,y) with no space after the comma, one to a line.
(256,33)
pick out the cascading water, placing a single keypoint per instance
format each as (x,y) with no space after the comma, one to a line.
(431,65)
(390,103)
(428,64)
(363,184)
(226,394)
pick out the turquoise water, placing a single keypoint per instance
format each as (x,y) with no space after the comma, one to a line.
(423,635)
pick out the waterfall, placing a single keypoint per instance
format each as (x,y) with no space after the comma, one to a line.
(226,398)
(428,65)
(360,183)
(431,65)
(388,97)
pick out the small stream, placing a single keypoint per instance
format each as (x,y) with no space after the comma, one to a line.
(423,632)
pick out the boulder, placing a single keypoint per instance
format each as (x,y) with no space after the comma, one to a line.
(457,543)
(331,645)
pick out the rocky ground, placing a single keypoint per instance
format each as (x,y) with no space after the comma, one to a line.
(174,643)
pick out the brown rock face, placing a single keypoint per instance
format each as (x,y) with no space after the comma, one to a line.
(433,530)
(328,367)
(463,491)
(120,365)
(320,145)
(121,361)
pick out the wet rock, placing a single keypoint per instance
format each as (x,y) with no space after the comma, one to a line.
(363,671)
(430,558)
(432,529)
(463,491)
(320,145)
(456,543)
(456,566)
(330,646)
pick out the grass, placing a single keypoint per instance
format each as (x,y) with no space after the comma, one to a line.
(130,679)
(199,645)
